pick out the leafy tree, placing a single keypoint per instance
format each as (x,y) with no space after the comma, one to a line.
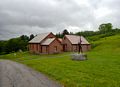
(71,33)
(65,32)
(86,33)
(103,28)
(2,47)
(59,35)
(16,44)
(31,37)
(24,37)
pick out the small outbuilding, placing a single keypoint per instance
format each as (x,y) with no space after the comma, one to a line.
(70,43)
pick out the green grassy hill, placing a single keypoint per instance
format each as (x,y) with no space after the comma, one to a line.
(102,69)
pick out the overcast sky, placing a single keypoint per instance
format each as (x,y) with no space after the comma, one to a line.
(19,17)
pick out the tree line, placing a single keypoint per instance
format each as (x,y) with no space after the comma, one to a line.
(21,43)
(15,44)
(104,30)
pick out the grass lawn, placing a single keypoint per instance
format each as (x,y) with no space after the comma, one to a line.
(102,69)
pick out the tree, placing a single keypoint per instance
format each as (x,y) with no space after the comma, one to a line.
(16,44)
(24,37)
(65,32)
(103,28)
(71,33)
(12,45)
(2,47)
(58,35)
(31,37)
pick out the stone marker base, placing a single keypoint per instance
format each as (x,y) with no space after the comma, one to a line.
(79,57)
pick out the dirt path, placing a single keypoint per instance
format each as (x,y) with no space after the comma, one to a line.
(13,74)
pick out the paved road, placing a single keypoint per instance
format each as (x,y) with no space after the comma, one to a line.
(13,74)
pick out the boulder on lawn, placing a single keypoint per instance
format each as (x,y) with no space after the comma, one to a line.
(80,57)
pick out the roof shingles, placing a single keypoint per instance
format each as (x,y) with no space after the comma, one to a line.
(39,38)
(48,41)
(76,39)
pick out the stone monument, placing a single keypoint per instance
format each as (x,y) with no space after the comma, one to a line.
(80,55)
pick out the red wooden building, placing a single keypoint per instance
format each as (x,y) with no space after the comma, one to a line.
(70,43)
(47,43)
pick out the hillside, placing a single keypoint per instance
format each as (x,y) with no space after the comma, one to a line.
(107,44)
(102,69)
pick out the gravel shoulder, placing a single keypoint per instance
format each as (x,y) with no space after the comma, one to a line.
(13,74)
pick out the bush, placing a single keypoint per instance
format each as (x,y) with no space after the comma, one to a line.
(13,45)
(93,45)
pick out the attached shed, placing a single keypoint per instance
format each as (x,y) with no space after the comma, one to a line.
(51,45)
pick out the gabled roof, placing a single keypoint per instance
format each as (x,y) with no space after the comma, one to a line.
(76,39)
(47,41)
(39,38)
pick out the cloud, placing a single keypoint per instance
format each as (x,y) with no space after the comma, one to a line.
(19,17)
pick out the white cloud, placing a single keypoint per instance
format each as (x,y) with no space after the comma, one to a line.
(102,12)
(19,17)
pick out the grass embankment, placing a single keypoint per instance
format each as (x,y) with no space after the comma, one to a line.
(102,69)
